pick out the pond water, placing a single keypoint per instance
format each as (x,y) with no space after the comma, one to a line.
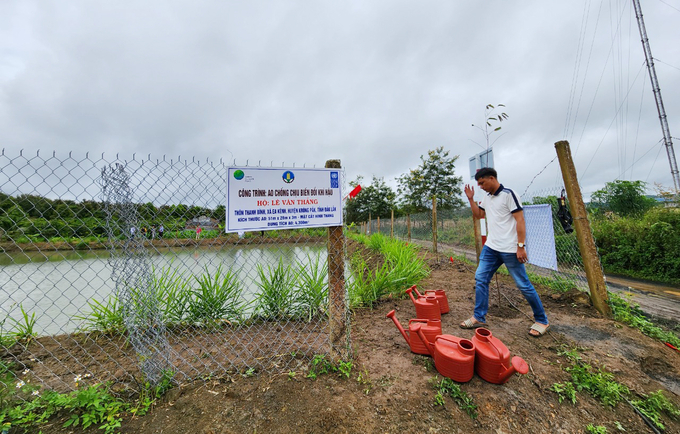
(57,286)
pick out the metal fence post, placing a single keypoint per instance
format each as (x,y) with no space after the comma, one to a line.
(586,242)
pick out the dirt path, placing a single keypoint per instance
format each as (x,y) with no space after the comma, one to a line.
(658,300)
(390,391)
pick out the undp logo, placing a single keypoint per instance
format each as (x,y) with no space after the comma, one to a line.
(238,174)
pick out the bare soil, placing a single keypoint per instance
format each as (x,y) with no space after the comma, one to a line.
(390,389)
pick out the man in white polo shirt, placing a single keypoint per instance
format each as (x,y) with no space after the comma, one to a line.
(504,245)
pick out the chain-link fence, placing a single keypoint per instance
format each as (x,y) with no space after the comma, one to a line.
(552,246)
(120,272)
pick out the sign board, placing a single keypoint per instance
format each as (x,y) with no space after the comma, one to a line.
(261,199)
(483,159)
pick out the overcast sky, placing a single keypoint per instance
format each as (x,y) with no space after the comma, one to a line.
(374,83)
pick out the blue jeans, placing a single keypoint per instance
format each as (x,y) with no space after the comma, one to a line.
(489,261)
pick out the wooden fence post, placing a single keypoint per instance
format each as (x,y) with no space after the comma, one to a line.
(408,227)
(337,310)
(392,225)
(434,224)
(476,223)
(378,224)
(584,235)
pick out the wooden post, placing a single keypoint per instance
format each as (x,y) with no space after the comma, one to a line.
(408,227)
(337,311)
(434,224)
(478,236)
(584,235)
(392,225)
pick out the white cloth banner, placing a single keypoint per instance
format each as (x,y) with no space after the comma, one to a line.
(261,199)
(540,236)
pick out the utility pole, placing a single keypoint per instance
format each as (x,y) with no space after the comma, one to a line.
(657,97)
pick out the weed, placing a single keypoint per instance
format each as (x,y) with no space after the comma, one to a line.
(599,383)
(365,380)
(107,316)
(599,429)
(653,405)
(25,327)
(321,365)
(631,314)
(565,391)
(447,387)
(345,369)
(570,353)
(250,372)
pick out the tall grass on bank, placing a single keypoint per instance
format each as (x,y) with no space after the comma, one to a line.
(296,291)
(402,268)
(276,296)
(312,283)
(218,297)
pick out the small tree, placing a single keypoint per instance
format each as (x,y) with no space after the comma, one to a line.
(433,178)
(376,199)
(625,198)
(492,120)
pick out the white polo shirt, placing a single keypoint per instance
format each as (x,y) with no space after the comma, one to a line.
(502,227)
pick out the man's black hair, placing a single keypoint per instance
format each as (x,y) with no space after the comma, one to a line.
(485,172)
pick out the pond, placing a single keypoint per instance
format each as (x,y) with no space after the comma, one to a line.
(56,286)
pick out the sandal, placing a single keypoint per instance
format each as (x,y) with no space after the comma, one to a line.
(540,328)
(471,323)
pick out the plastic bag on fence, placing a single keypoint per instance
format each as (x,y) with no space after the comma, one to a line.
(564,215)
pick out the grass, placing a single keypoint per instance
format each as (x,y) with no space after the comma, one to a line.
(402,268)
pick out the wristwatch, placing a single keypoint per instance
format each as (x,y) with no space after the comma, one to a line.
(521,245)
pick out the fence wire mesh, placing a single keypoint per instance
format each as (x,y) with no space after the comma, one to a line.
(548,237)
(119,271)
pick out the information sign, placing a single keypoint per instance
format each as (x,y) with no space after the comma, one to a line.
(261,199)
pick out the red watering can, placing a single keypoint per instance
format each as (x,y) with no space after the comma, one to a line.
(441,298)
(454,357)
(429,327)
(493,362)
(426,307)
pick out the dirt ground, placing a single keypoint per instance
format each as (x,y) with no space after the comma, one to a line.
(390,389)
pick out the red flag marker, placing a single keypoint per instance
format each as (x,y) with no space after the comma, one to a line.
(354,192)
(451,259)
(671,346)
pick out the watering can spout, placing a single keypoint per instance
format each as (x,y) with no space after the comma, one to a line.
(392,316)
(410,293)
(519,366)
(421,335)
